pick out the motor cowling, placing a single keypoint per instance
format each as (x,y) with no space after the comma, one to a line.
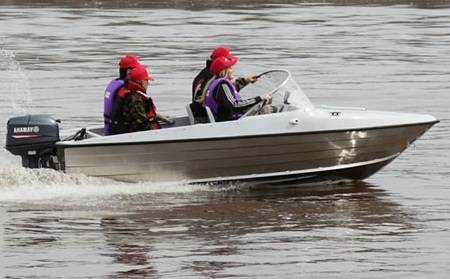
(33,137)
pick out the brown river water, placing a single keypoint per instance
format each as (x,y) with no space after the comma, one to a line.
(56,58)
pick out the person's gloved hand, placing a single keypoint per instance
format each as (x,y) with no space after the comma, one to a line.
(266,97)
(251,79)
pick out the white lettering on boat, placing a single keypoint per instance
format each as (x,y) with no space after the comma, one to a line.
(27,129)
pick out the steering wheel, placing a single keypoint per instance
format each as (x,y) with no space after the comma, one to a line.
(275,86)
(255,109)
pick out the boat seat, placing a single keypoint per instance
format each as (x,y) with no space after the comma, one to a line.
(210,115)
(190,114)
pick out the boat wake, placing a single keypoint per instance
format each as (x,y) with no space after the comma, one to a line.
(18,184)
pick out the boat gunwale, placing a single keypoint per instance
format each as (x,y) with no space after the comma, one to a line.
(79,144)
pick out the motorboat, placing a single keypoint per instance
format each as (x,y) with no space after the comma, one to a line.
(297,142)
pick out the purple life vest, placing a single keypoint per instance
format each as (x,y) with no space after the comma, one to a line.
(210,100)
(108,102)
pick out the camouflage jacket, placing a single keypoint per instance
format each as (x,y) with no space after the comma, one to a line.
(135,109)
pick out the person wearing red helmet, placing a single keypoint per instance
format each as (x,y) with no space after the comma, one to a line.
(134,110)
(205,74)
(126,63)
(205,77)
(222,95)
(200,81)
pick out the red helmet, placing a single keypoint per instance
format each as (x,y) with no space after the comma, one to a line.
(140,73)
(129,61)
(220,51)
(221,63)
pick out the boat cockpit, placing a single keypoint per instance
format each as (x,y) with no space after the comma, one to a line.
(286,96)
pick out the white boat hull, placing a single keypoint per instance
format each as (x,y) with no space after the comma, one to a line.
(353,154)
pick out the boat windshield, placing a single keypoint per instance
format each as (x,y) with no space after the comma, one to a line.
(286,93)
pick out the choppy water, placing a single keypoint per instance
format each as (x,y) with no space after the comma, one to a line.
(57,58)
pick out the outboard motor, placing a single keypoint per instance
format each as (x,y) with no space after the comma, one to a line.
(33,137)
